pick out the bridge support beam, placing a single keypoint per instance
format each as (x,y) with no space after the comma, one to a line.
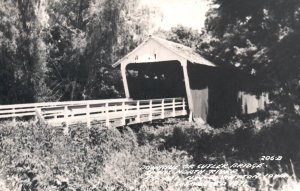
(187,88)
(124,79)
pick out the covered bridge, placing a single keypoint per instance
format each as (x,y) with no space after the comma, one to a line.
(159,68)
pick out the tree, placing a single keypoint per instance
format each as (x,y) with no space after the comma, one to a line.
(260,38)
(63,50)
(21,53)
(183,35)
(116,28)
(66,41)
(85,38)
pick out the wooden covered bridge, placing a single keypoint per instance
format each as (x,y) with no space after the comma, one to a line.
(158,77)
(159,68)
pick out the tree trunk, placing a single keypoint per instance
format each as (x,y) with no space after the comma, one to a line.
(73,90)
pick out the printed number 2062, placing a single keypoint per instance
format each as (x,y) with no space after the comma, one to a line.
(271,158)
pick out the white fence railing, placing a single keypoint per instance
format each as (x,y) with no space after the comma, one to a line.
(111,112)
(29,111)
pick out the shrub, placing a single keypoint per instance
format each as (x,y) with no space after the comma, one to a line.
(40,157)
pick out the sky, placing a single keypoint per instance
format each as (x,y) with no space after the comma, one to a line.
(189,13)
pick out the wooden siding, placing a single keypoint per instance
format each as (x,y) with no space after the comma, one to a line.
(200,103)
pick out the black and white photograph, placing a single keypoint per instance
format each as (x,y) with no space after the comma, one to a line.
(149,95)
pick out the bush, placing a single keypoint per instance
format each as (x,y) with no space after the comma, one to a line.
(37,157)
(42,158)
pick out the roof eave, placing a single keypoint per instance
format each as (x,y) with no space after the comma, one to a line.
(130,53)
(207,62)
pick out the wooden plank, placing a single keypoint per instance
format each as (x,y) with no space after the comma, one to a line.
(173,108)
(162,109)
(66,115)
(183,107)
(110,113)
(13,116)
(19,112)
(124,79)
(107,115)
(62,104)
(39,116)
(200,103)
(88,116)
(138,112)
(187,86)
(124,114)
(150,112)
(12,110)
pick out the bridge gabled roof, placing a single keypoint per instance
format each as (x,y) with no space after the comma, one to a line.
(162,50)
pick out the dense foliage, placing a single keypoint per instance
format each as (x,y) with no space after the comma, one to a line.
(42,158)
(63,50)
(261,38)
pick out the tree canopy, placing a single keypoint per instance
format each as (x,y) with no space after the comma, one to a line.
(261,38)
(63,50)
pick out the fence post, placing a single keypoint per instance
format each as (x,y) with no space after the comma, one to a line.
(138,111)
(183,106)
(107,114)
(14,117)
(162,109)
(88,115)
(36,117)
(173,108)
(66,115)
(39,116)
(123,113)
(150,113)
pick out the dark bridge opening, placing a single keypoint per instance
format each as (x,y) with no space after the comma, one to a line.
(155,80)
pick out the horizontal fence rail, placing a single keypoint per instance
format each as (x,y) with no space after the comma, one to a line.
(111,112)
(29,111)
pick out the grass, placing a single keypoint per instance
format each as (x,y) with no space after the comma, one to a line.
(34,157)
